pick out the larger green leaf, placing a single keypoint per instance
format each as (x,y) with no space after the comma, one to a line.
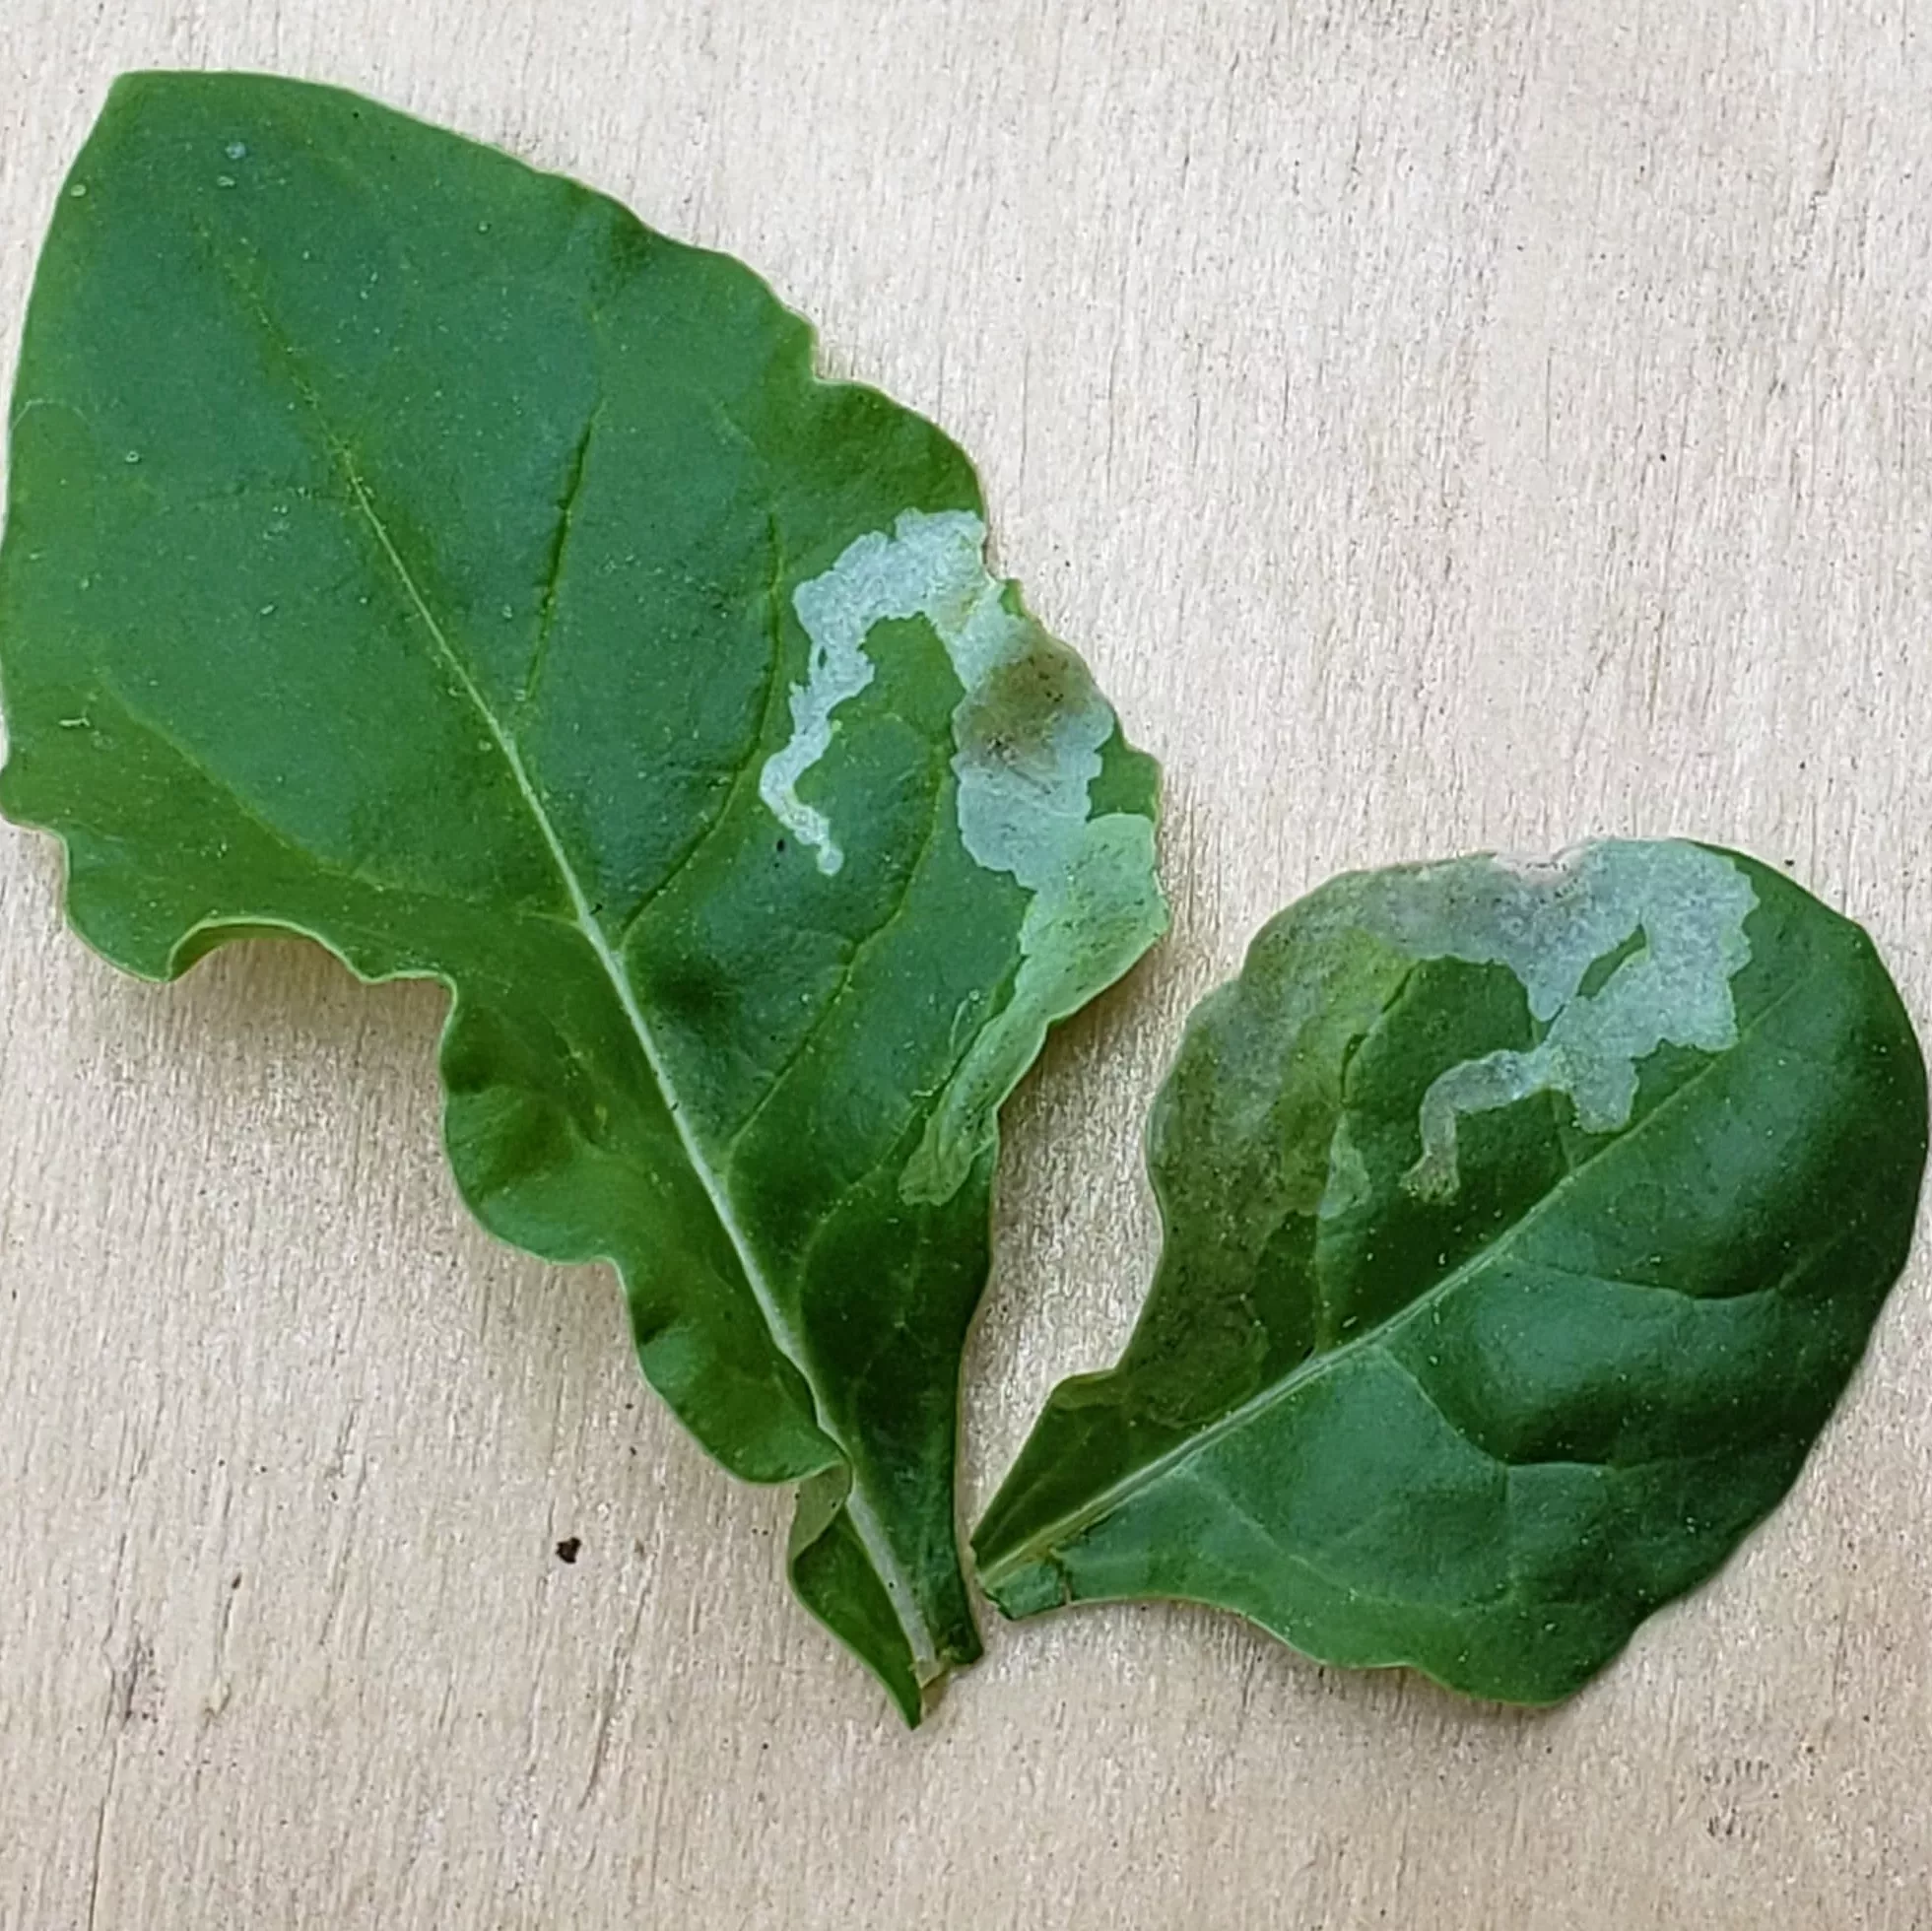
(1523,1225)
(411,551)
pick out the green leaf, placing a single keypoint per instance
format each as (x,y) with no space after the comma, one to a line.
(1523,1225)
(411,551)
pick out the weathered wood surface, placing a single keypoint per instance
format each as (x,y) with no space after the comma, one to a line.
(1442,426)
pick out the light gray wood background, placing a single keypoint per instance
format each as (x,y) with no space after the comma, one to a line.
(1442,426)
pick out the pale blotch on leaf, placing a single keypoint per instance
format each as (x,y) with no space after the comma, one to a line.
(1667,918)
(1027,731)
(1350,1184)
(1022,796)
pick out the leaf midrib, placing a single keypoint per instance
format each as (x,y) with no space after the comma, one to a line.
(785,1337)
(1063,1528)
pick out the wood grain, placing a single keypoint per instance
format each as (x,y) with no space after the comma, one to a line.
(1442,426)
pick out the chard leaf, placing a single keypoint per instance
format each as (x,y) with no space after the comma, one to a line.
(1523,1225)
(413,552)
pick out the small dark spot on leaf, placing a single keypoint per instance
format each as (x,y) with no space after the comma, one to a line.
(1011,719)
(568,1548)
(694,990)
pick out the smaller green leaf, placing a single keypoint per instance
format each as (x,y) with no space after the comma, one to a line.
(1523,1226)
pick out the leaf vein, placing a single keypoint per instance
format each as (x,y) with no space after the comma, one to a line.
(785,1337)
(575,472)
(1313,1366)
(861,947)
(741,776)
